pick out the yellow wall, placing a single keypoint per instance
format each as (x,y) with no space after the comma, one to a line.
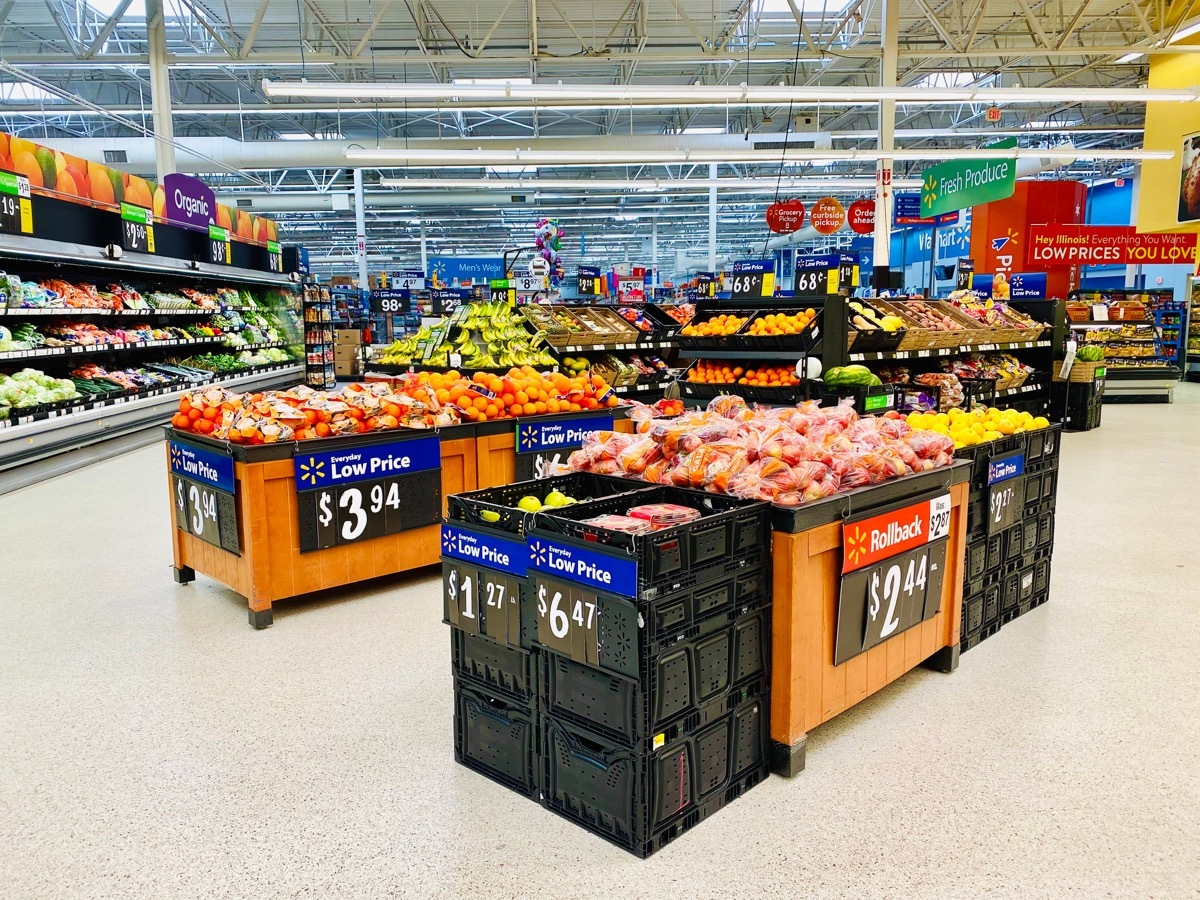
(1166,125)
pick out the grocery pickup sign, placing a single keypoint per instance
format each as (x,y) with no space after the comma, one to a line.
(1071,245)
(960,183)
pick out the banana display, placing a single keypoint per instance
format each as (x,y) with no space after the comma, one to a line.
(407,350)
(490,336)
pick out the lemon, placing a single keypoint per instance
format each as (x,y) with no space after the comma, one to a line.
(1041,422)
(489,515)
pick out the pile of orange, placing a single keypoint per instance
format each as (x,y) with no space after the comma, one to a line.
(781,323)
(521,392)
(707,371)
(720,325)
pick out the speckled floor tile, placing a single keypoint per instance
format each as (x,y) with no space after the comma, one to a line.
(152,745)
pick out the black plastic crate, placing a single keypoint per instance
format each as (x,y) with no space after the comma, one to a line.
(995,552)
(1029,535)
(972,617)
(641,801)
(497,737)
(1041,577)
(1027,577)
(977,554)
(501,502)
(1010,589)
(1013,537)
(506,670)
(729,534)
(793,343)
(684,685)
(624,636)
(1049,485)
(694,390)
(1033,489)
(976,518)
(991,604)
(1045,522)
(706,311)
(876,399)
(986,580)
(983,634)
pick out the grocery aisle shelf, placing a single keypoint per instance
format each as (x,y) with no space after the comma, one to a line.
(29,442)
(946,351)
(71,311)
(85,349)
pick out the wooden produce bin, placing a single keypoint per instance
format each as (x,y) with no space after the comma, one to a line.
(807,688)
(256,550)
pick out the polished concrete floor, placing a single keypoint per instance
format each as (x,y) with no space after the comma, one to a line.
(153,745)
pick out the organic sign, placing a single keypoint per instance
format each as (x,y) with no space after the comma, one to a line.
(861,216)
(828,215)
(1070,245)
(959,183)
(785,217)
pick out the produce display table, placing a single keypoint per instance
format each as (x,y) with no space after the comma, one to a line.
(240,517)
(812,678)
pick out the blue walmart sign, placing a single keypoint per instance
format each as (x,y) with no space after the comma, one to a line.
(1027,286)
(483,549)
(601,571)
(213,469)
(560,434)
(335,467)
(1006,467)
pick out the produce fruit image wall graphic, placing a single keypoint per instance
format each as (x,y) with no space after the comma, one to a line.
(53,173)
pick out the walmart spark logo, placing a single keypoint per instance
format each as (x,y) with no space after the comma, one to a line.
(999,243)
(312,471)
(176,457)
(447,540)
(537,552)
(929,191)
(856,546)
(526,438)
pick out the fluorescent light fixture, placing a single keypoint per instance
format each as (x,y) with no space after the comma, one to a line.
(646,185)
(1130,57)
(1184,33)
(599,96)
(429,158)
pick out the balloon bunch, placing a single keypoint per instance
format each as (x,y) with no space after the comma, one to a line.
(549,241)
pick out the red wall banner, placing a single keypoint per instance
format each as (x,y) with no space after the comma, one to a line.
(1064,245)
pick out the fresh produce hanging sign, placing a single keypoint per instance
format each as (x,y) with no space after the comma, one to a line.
(892,570)
(204,494)
(1071,245)
(363,492)
(960,183)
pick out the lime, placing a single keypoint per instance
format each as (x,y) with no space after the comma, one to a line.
(489,515)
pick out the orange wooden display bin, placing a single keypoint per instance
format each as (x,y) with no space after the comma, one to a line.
(271,567)
(807,689)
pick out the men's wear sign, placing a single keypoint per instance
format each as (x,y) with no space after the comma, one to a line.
(959,183)
(1062,245)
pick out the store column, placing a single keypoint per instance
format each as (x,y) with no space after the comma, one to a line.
(712,217)
(160,90)
(881,275)
(360,231)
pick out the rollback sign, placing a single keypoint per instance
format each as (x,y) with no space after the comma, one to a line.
(893,565)
(359,493)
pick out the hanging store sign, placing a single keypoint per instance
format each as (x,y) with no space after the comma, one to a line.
(447,301)
(908,212)
(817,275)
(406,280)
(190,202)
(391,302)
(1060,245)
(785,217)
(707,282)
(1027,286)
(861,216)
(587,281)
(893,565)
(964,274)
(959,183)
(828,216)
(358,493)
(482,576)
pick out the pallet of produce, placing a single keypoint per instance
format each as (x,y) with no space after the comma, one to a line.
(945,330)
(558,326)
(609,327)
(887,319)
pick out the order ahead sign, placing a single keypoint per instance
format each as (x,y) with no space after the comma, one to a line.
(1065,245)
(960,183)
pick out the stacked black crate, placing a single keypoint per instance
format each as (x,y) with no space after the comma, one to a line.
(655,670)
(1081,403)
(1027,577)
(485,561)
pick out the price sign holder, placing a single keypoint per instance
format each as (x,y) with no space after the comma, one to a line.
(502,291)
(220,250)
(16,206)
(819,276)
(752,279)
(406,280)
(1006,491)
(137,228)
(544,442)
(367,490)
(390,302)
(274,257)
(568,619)
(528,284)
(483,599)
(893,567)
(204,493)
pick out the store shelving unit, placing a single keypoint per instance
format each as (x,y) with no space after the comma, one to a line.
(1141,361)
(317,305)
(1191,329)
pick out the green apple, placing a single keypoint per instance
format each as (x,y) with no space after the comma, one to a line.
(529,504)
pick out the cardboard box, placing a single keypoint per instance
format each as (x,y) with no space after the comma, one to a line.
(341,281)
(347,368)
(345,353)
(347,337)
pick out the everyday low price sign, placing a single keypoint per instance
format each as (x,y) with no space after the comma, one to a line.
(1070,245)
(205,494)
(349,495)
(482,574)
(959,183)
(599,571)
(542,446)
(1006,491)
